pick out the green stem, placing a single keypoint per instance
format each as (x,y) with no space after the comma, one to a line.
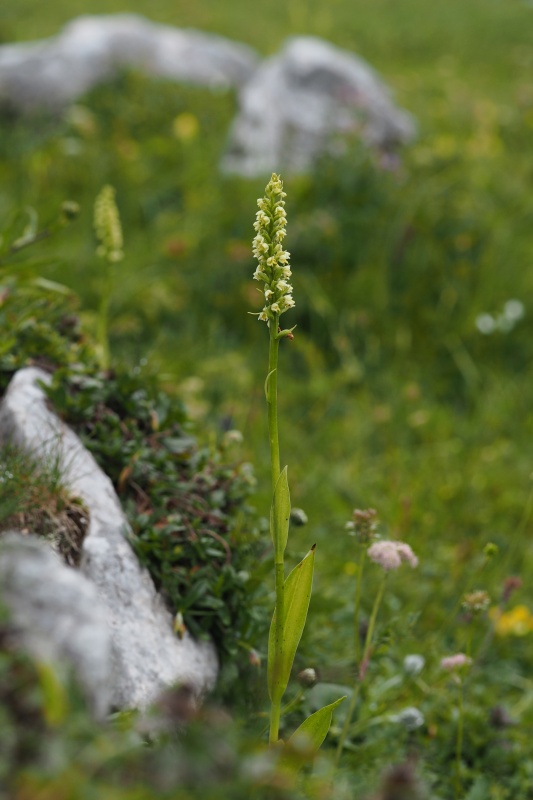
(518,536)
(372,623)
(272,402)
(460,722)
(459,743)
(103,319)
(347,721)
(292,703)
(361,668)
(275,716)
(359,581)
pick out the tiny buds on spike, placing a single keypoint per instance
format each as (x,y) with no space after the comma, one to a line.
(107,226)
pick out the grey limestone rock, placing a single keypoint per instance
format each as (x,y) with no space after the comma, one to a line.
(57,614)
(301,102)
(51,73)
(146,654)
(294,106)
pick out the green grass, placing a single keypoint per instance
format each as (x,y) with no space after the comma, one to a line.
(389,396)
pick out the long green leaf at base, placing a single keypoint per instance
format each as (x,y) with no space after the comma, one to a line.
(297,596)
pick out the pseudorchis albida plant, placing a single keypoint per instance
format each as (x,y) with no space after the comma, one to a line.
(108,230)
(294,592)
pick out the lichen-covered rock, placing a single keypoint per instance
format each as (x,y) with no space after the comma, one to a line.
(146,654)
(301,102)
(51,73)
(57,614)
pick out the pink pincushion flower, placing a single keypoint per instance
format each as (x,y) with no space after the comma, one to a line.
(406,554)
(455,662)
(389,555)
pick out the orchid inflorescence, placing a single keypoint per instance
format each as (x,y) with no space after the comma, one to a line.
(107,226)
(273,268)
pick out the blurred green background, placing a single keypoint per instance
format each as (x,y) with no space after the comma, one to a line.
(391,396)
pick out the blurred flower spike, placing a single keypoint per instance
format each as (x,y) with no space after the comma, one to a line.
(273,261)
(477,602)
(390,555)
(363,525)
(107,226)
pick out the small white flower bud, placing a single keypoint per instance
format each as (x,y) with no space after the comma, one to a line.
(307,677)
(411,718)
(298,517)
(414,664)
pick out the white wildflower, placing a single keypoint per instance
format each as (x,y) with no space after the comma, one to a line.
(414,664)
(486,324)
(514,310)
(411,718)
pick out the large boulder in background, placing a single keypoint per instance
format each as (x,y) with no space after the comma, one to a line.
(302,101)
(146,654)
(57,614)
(51,73)
(293,107)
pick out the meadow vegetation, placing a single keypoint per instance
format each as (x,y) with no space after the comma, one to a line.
(406,388)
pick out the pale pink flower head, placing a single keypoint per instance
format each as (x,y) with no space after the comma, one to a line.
(455,662)
(389,555)
(406,554)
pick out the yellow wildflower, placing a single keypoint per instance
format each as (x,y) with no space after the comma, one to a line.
(518,621)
